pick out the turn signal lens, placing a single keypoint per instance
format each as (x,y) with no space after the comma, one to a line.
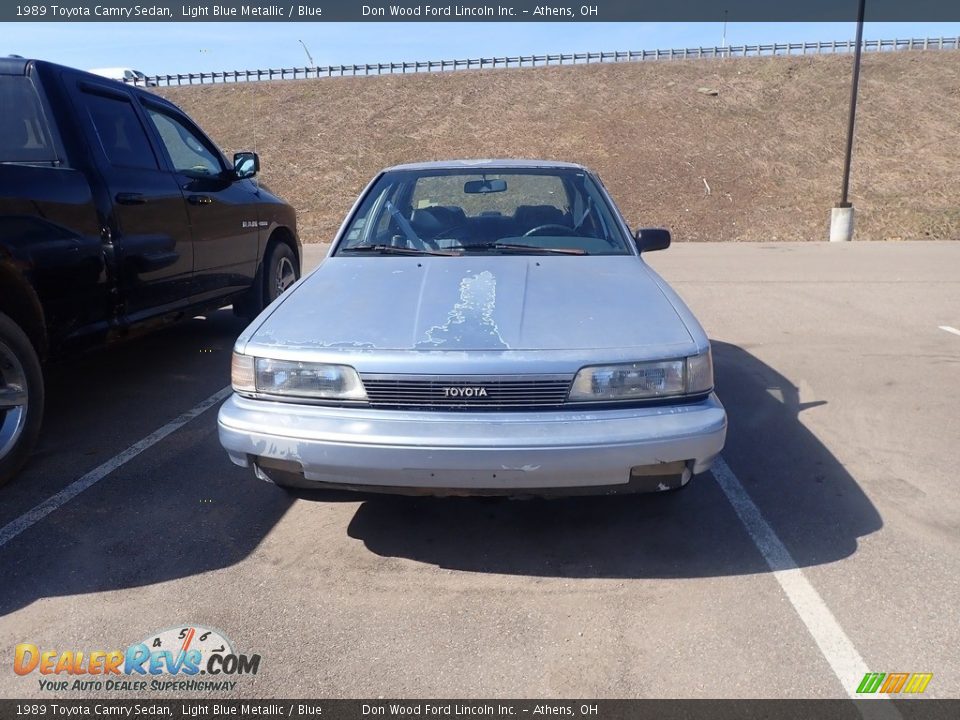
(242,375)
(700,373)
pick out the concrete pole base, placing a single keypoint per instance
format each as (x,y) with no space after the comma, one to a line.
(841,224)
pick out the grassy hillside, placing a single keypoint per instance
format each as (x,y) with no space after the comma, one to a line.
(768,145)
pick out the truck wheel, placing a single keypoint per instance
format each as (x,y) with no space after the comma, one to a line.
(281,272)
(21,398)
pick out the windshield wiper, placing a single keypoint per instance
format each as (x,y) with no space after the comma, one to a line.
(518,247)
(393,250)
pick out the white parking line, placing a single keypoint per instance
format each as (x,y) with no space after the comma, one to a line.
(949,329)
(833,642)
(14,528)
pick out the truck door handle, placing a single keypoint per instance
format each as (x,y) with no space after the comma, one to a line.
(199,199)
(127,198)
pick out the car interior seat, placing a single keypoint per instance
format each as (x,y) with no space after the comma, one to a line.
(528,217)
(435,221)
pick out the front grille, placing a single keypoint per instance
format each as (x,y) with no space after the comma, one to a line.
(467,392)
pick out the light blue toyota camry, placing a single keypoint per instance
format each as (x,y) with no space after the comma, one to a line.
(482,327)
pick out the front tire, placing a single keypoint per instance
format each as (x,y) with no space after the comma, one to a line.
(21,398)
(280,272)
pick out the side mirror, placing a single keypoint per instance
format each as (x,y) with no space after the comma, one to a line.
(648,239)
(246,164)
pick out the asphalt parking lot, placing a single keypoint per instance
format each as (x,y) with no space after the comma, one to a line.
(826,544)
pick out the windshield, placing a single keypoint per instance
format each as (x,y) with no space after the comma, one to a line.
(500,211)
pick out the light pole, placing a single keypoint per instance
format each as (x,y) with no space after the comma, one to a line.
(841,216)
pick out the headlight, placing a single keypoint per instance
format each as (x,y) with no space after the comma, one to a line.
(644,380)
(292,378)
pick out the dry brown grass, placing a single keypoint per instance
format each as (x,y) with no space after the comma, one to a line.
(769,145)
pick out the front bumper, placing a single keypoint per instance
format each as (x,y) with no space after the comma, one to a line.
(490,453)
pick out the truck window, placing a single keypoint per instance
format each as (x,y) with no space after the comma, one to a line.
(188,153)
(24,133)
(122,137)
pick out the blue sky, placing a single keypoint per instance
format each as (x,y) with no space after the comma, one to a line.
(161,48)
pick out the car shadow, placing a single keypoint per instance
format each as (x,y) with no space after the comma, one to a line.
(177,510)
(815,506)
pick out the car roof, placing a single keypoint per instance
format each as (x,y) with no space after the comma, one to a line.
(487,164)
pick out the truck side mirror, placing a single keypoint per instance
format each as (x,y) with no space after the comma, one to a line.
(246,164)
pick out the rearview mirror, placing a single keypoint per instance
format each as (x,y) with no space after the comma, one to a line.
(246,164)
(472,187)
(648,239)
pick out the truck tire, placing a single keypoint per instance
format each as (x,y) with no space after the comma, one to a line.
(278,272)
(21,398)
(281,272)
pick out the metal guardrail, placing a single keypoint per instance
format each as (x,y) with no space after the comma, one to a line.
(772,49)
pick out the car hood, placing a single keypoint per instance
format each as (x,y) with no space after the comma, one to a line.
(476,303)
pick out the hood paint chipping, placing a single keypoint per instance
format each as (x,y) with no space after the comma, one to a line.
(470,323)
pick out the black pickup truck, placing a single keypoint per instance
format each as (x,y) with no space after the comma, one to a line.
(117,214)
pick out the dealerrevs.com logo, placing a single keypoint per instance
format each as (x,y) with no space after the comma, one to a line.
(180,659)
